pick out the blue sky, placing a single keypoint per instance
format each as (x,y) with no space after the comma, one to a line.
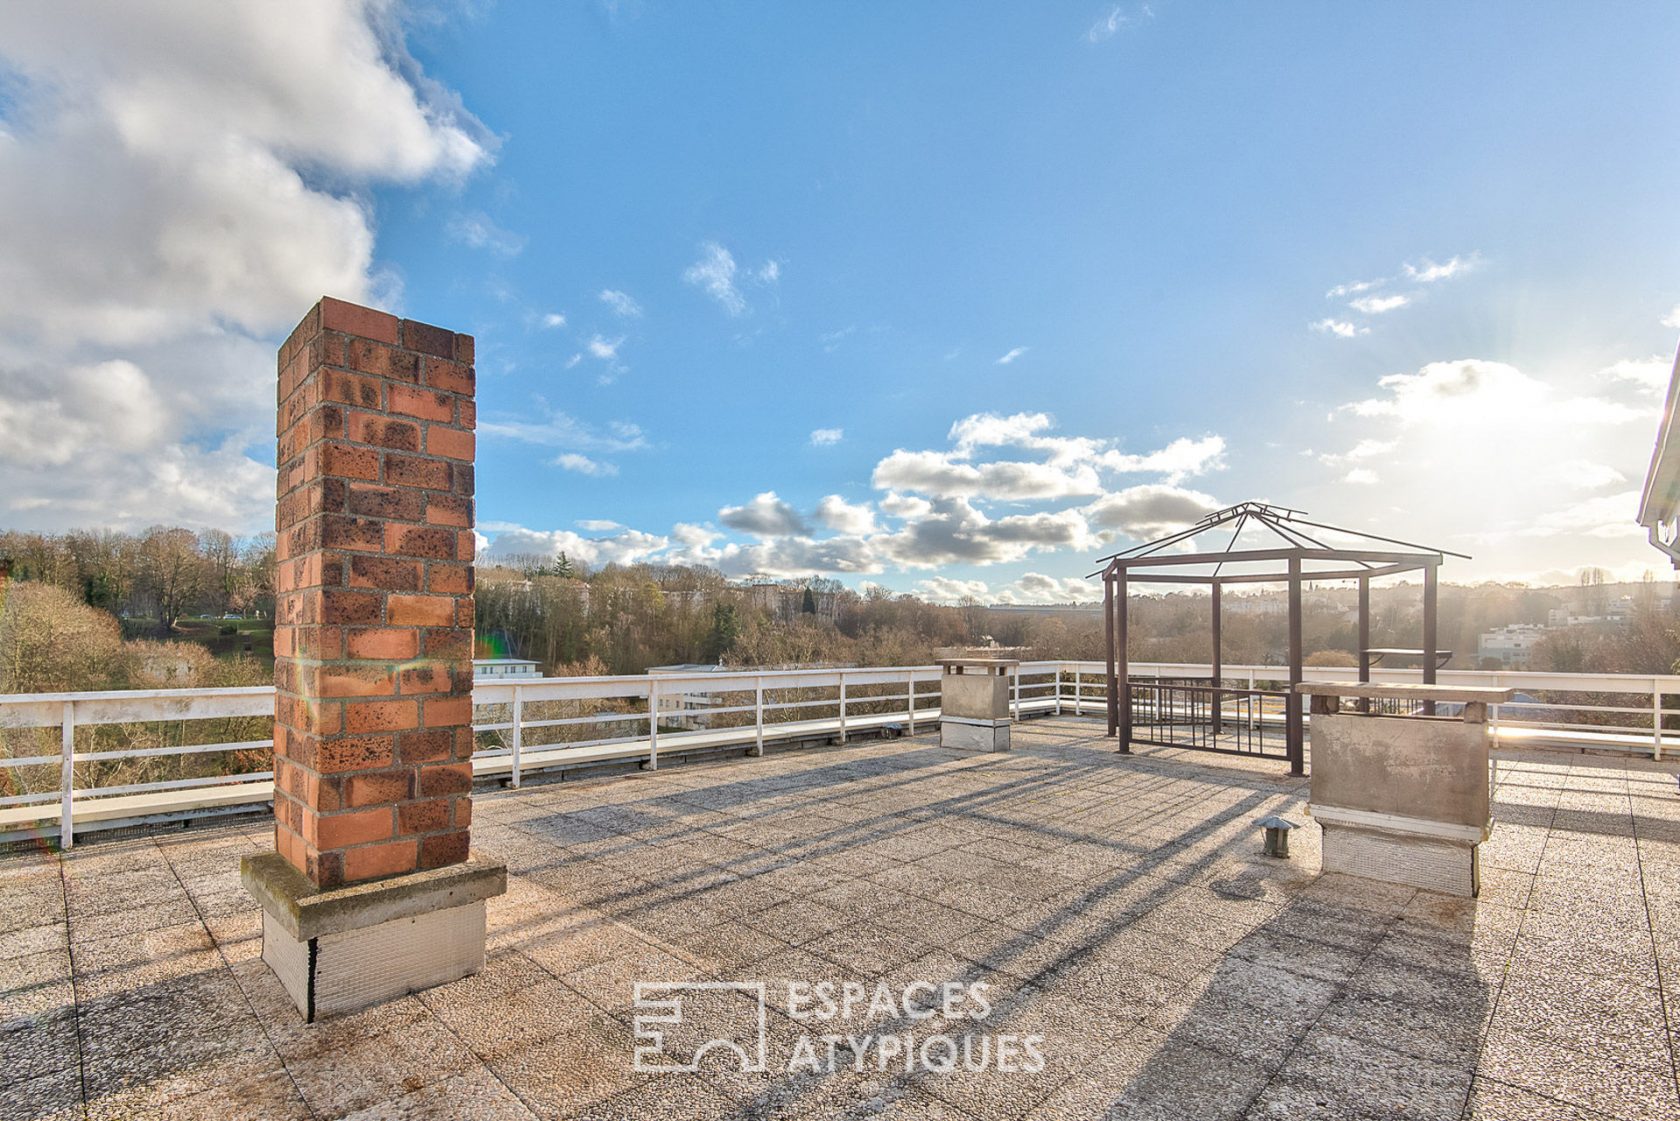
(689,237)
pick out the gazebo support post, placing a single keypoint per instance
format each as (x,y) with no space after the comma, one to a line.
(1109,686)
(1431,641)
(1364,638)
(1293,724)
(1218,668)
(1123,669)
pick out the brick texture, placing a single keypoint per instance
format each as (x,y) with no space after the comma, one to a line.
(373,639)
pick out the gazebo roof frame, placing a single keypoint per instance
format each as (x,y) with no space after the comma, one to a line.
(1298,548)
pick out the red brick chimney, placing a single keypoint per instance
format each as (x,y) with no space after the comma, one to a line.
(374,596)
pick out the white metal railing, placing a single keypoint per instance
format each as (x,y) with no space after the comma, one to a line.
(543,723)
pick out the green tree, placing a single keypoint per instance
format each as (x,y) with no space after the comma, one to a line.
(724,631)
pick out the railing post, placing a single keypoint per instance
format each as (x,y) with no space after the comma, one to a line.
(842,708)
(1656,719)
(1058,690)
(910,698)
(1015,684)
(1078,697)
(653,724)
(518,732)
(758,714)
(67,778)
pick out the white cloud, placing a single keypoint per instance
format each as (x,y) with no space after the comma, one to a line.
(1364,449)
(1489,454)
(841,516)
(1179,460)
(692,536)
(714,274)
(175,189)
(477,231)
(905,506)
(831,340)
(1672,319)
(989,430)
(598,525)
(826,437)
(1609,516)
(1013,354)
(1584,474)
(954,531)
(946,589)
(622,303)
(1036,587)
(765,516)
(1463,387)
(561,430)
(583,465)
(1116,19)
(604,348)
(1377,305)
(945,474)
(1340,328)
(1070,466)
(1361,476)
(553,320)
(948,522)
(1353,288)
(1651,373)
(1427,271)
(769,272)
(627,547)
(1150,510)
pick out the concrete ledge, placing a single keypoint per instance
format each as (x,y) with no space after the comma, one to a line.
(304,911)
(1395,823)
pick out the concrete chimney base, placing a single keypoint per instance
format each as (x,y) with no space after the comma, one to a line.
(965,733)
(347,948)
(1421,854)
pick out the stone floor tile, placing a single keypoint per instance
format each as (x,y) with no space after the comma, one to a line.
(475,1094)
(32,1046)
(570,1073)
(1362,1078)
(1491,1100)
(1630,1085)
(53,1096)
(358,1071)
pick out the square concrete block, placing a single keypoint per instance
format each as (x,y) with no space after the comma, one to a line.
(353,947)
(973,735)
(336,973)
(1430,863)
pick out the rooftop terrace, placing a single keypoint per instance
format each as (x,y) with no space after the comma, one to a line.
(1118,906)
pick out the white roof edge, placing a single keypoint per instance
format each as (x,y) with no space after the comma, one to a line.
(1660,500)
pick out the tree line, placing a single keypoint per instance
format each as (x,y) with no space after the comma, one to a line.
(624,619)
(151,579)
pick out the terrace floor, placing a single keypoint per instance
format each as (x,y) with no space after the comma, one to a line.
(1116,906)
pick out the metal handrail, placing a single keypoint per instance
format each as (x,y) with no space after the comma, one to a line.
(1056,686)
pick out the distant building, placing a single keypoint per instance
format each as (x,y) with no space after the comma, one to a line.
(1513,646)
(787,602)
(496,669)
(1261,604)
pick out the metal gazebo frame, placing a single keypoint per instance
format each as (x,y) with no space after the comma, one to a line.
(1300,556)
